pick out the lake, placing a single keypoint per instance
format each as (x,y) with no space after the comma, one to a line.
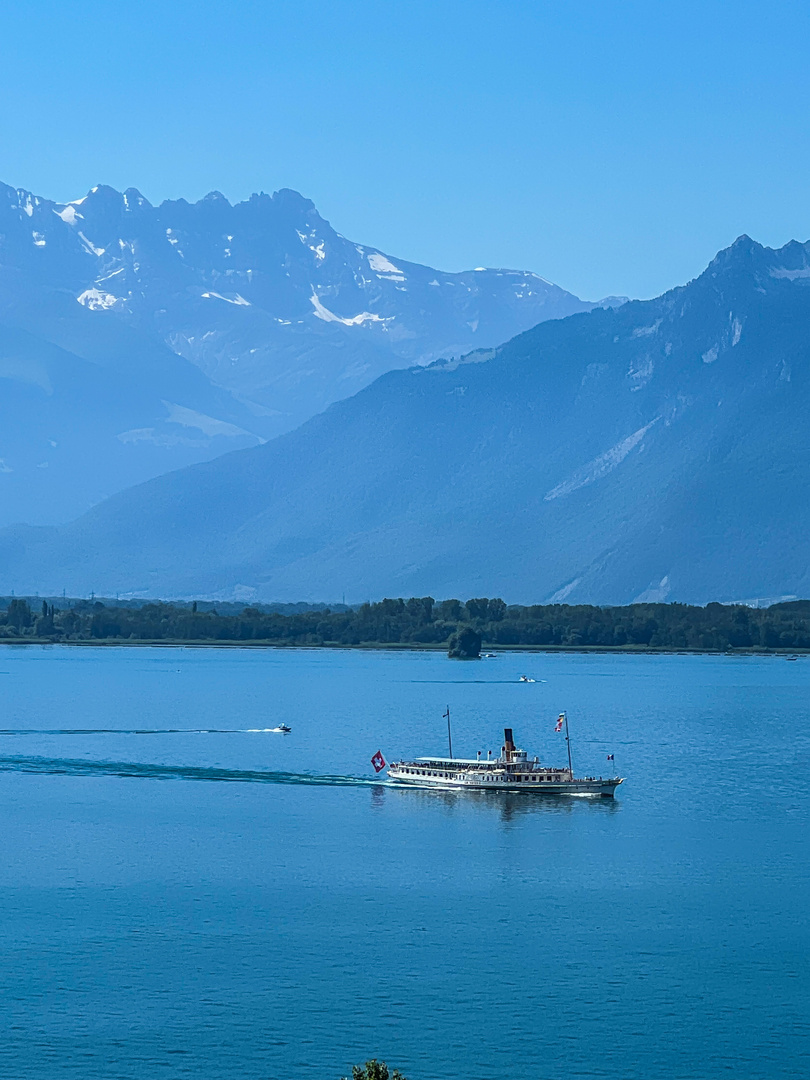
(184,897)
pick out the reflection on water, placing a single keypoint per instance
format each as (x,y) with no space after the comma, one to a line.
(508,804)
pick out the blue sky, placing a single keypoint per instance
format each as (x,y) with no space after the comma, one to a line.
(611,147)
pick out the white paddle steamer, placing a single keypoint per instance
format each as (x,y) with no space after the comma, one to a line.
(512,771)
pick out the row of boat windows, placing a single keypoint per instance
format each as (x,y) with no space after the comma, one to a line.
(452,776)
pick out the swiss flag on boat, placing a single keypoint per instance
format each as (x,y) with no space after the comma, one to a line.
(378,761)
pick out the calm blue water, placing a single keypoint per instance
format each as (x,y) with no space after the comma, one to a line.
(165,923)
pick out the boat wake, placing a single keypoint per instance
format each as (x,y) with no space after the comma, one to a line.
(143,731)
(136,770)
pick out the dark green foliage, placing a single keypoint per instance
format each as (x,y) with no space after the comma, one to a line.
(374,1070)
(465,644)
(19,614)
(478,609)
(450,610)
(421,621)
(44,626)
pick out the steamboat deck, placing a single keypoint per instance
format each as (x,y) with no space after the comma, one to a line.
(512,771)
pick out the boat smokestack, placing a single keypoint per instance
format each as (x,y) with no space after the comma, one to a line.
(508,744)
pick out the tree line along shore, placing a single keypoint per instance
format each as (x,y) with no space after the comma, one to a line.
(420,622)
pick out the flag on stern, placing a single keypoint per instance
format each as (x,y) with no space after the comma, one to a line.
(378,761)
(560,722)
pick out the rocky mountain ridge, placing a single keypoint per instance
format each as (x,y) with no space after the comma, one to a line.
(135,338)
(657,451)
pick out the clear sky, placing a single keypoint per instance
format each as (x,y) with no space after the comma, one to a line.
(610,147)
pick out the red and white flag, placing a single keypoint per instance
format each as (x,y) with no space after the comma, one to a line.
(378,761)
(560,722)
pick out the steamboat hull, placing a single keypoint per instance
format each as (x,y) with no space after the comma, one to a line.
(596,787)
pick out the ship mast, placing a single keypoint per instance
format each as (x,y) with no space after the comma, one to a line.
(568,744)
(449,736)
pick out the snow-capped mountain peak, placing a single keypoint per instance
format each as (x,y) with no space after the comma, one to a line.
(262,301)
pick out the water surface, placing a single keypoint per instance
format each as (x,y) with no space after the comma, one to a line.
(184,896)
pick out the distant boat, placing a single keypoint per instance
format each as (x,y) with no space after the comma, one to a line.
(525,678)
(489,655)
(284,729)
(791,658)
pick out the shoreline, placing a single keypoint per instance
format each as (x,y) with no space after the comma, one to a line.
(397,646)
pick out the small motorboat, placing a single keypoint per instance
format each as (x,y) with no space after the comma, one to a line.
(525,678)
(284,729)
(490,655)
(791,658)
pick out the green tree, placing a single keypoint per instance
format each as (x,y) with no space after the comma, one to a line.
(496,610)
(44,624)
(450,611)
(478,609)
(715,627)
(19,614)
(420,608)
(465,644)
(374,1070)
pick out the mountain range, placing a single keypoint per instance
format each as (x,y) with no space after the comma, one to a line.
(654,451)
(136,339)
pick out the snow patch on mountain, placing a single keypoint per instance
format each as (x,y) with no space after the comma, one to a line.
(68,214)
(324,313)
(561,595)
(283,341)
(601,465)
(381,265)
(235,298)
(112,274)
(89,246)
(656,592)
(97,299)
